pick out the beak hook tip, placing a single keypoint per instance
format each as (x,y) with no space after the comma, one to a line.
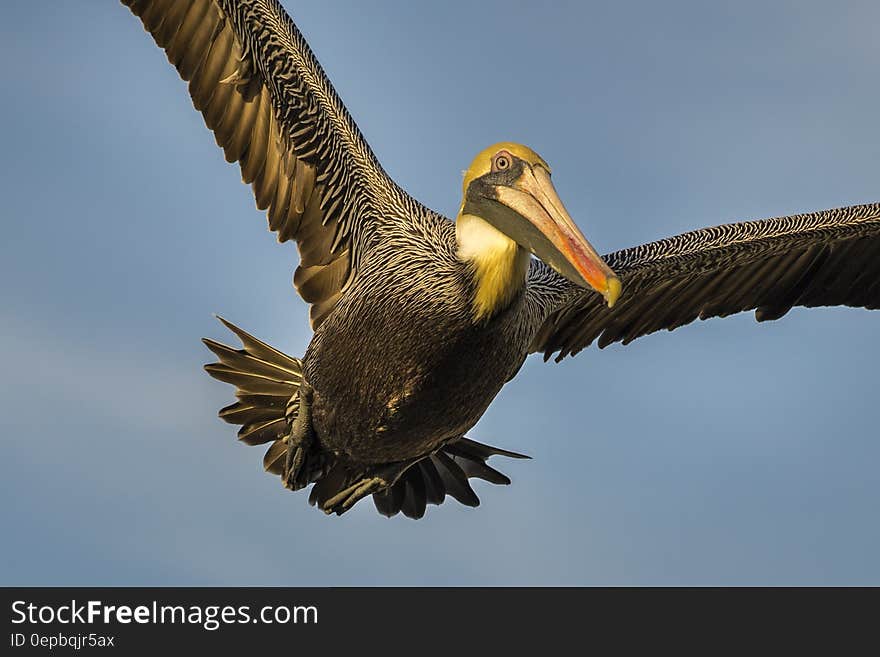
(612,291)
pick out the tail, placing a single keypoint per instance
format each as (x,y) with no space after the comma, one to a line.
(267,387)
(446,472)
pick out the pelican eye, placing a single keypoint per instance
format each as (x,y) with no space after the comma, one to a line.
(502,162)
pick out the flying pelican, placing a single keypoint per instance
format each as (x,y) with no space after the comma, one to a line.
(419,321)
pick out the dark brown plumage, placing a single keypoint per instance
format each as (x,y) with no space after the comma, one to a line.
(418,321)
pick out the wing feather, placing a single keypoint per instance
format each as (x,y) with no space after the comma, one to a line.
(273,110)
(829,258)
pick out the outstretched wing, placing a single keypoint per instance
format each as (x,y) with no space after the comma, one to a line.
(273,110)
(829,258)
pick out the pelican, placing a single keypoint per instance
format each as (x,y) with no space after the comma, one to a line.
(419,320)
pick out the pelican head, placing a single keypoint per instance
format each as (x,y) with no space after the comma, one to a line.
(508,186)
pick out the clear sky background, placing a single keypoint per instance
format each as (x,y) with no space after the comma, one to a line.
(726,452)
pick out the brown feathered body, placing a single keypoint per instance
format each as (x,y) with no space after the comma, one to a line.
(401,367)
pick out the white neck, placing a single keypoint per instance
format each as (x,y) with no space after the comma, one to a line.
(500,264)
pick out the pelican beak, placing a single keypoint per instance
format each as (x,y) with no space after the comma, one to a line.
(550,233)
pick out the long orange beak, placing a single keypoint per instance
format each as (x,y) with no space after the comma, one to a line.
(564,247)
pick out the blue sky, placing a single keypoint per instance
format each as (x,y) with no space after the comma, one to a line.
(726,452)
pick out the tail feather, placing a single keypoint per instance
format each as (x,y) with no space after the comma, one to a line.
(455,479)
(482,471)
(247,382)
(478,451)
(443,473)
(245,361)
(267,385)
(243,413)
(273,461)
(389,502)
(260,433)
(471,457)
(259,349)
(414,499)
(435,490)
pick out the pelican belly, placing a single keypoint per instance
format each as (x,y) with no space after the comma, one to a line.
(401,368)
